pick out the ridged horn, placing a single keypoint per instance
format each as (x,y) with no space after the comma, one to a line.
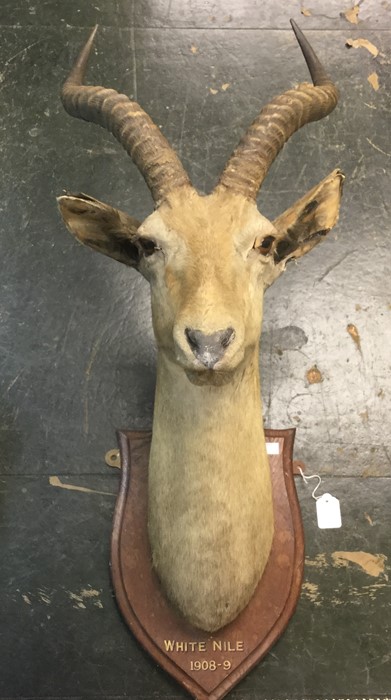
(247,168)
(131,126)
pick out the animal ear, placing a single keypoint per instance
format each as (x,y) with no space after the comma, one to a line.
(309,220)
(101,227)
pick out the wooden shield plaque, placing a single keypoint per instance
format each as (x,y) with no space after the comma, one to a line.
(207,665)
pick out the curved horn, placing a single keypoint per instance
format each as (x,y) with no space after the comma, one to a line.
(131,126)
(248,166)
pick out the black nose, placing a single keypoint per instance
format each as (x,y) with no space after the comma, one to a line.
(209,349)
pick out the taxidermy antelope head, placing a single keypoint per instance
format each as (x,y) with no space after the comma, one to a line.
(208,260)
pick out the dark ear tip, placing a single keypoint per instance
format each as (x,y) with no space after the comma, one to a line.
(340,175)
(71,197)
(64,200)
(69,204)
(61,201)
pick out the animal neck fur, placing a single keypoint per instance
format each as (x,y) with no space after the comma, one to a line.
(210,505)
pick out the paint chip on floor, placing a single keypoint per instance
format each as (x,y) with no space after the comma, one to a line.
(56,481)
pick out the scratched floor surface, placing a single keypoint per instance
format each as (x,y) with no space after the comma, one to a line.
(76,343)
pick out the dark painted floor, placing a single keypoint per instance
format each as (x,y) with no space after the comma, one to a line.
(76,346)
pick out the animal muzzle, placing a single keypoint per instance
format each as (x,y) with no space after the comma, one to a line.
(209,348)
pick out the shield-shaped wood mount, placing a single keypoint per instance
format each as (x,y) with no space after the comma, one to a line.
(207,665)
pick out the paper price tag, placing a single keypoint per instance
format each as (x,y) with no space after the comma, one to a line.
(328,512)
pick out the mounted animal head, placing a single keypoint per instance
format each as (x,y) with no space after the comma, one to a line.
(208,258)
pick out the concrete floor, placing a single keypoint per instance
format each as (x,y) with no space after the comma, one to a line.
(77,354)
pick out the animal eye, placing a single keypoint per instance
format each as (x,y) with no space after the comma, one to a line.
(264,246)
(147,247)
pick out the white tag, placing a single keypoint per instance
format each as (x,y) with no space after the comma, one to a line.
(328,512)
(273,448)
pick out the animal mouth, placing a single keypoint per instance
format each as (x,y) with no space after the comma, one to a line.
(208,377)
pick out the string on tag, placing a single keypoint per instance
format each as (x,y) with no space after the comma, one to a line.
(328,511)
(313,476)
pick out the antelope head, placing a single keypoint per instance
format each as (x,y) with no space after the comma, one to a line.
(208,258)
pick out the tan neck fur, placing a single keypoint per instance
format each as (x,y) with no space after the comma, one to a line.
(210,512)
